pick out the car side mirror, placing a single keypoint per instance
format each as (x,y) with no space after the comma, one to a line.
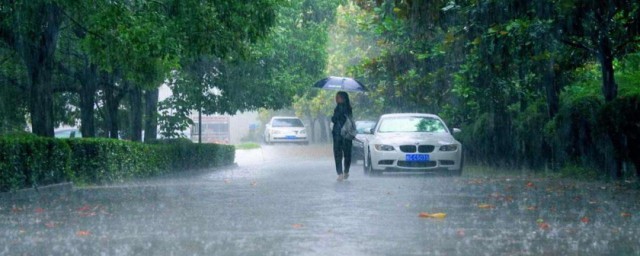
(369,131)
(456,130)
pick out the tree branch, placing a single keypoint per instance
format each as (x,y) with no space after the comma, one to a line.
(579,45)
(620,48)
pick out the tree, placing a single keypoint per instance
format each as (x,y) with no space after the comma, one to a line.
(605,29)
(31,28)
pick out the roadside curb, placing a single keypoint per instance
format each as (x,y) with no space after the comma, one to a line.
(30,193)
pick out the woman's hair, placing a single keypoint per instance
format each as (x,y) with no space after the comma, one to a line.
(347,102)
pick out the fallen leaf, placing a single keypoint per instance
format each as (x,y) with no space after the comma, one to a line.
(530,184)
(584,220)
(625,214)
(486,206)
(254,183)
(84,208)
(83,233)
(16,209)
(87,214)
(50,224)
(39,210)
(539,221)
(532,208)
(297,226)
(460,232)
(437,215)
(544,225)
(227,181)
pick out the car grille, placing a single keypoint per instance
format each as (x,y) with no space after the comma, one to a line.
(425,148)
(408,148)
(417,164)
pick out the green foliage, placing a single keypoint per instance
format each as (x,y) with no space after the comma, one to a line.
(27,161)
(507,73)
(247,145)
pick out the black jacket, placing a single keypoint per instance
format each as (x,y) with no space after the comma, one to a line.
(339,117)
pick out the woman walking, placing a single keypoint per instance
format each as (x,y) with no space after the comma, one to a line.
(341,145)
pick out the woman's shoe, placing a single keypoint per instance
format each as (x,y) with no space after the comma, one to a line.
(346,175)
(340,177)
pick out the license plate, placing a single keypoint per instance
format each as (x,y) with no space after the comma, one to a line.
(290,137)
(417,158)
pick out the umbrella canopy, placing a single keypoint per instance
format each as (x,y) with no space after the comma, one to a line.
(340,84)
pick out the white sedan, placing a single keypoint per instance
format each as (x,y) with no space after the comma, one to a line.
(412,142)
(285,129)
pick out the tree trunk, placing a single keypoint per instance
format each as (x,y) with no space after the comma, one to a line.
(39,59)
(135,113)
(552,90)
(605,55)
(41,100)
(87,101)
(112,103)
(323,128)
(151,114)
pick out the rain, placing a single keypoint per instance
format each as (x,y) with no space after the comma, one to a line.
(313,127)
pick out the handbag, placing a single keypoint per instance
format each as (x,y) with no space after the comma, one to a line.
(348,130)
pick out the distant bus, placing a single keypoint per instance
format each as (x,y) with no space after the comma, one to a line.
(215,129)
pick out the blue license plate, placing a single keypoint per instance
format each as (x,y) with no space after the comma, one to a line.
(290,137)
(417,158)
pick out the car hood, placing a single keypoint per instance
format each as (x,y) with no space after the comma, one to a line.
(413,137)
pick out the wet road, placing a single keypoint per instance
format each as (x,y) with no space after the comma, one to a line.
(284,200)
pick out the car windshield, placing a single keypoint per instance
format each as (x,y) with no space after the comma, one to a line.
(412,124)
(286,122)
(363,126)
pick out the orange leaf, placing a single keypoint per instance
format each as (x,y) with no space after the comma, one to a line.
(486,206)
(84,208)
(437,215)
(532,208)
(530,184)
(83,233)
(39,210)
(297,226)
(625,214)
(543,225)
(50,224)
(460,232)
(584,220)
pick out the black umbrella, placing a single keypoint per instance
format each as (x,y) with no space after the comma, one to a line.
(340,84)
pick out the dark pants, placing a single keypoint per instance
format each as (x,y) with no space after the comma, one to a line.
(342,148)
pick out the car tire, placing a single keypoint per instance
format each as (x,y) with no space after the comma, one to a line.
(368,170)
(366,166)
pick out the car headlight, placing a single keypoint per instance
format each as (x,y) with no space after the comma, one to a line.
(302,132)
(275,132)
(382,147)
(450,147)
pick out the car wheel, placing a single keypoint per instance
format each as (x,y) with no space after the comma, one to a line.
(366,166)
(368,170)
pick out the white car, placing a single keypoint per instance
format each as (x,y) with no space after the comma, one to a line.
(285,129)
(412,142)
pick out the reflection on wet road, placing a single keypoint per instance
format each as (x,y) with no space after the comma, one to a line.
(284,200)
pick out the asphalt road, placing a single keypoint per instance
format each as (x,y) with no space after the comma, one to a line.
(284,200)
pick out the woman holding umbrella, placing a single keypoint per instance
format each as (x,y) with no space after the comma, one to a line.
(341,145)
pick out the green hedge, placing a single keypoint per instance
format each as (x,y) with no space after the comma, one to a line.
(29,161)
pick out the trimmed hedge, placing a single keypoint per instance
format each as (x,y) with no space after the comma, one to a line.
(30,161)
